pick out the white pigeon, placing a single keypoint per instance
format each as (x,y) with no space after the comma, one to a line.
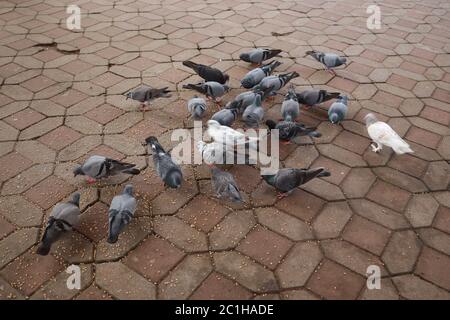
(229,136)
(217,153)
(382,134)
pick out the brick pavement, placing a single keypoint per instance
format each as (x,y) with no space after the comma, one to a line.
(61,99)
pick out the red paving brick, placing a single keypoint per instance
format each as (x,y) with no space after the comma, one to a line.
(70,98)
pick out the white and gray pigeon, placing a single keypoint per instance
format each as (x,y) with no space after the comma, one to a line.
(254,113)
(210,89)
(218,153)
(287,179)
(382,134)
(290,109)
(224,185)
(338,110)
(275,83)
(146,94)
(197,107)
(312,97)
(63,218)
(166,168)
(253,77)
(229,136)
(228,115)
(120,213)
(259,55)
(97,167)
(329,60)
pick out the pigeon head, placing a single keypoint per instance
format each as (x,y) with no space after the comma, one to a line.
(271,124)
(245,57)
(173,179)
(342,60)
(76,199)
(311,52)
(334,118)
(151,140)
(78,171)
(226,87)
(246,83)
(129,95)
(213,123)
(128,189)
(343,99)
(269,178)
(370,119)
(291,95)
(226,77)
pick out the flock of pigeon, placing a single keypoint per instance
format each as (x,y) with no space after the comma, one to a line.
(248,104)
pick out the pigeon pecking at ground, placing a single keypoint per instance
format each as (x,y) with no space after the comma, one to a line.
(287,179)
(229,136)
(290,108)
(197,107)
(219,153)
(312,97)
(329,60)
(120,212)
(63,218)
(224,185)
(253,77)
(382,134)
(166,168)
(96,167)
(338,110)
(146,94)
(228,115)
(289,130)
(210,89)
(258,55)
(208,73)
(274,83)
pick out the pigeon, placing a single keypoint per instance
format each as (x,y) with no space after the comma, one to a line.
(120,212)
(229,136)
(275,82)
(145,94)
(290,109)
(228,115)
(255,76)
(207,73)
(197,107)
(259,55)
(312,97)
(329,60)
(224,185)
(167,170)
(218,153)
(96,167)
(211,89)
(63,218)
(287,179)
(338,109)
(382,134)
(289,130)
(248,97)
(254,113)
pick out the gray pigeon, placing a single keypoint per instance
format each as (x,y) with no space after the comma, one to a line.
(312,97)
(210,89)
(145,94)
(255,76)
(197,107)
(290,109)
(63,218)
(275,83)
(259,55)
(167,170)
(96,167)
(329,60)
(224,185)
(254,113)
(228,115)
(288,130)
(338,110)
(287,179)
(121,212)
(248,97)
(208,73)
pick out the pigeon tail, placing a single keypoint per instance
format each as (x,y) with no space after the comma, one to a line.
(272,53)
(133,171)
(402,147)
